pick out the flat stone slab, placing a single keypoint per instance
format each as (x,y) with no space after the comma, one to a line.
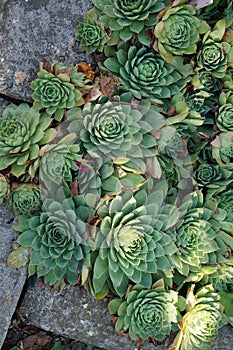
(11,280)
(74,313)
(31,31)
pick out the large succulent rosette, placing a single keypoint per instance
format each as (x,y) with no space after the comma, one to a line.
(126,18)
(178,32)
(116,131)
(25,199)
(145,313)
(131,244)
(144,73)
(215,52)
(57,239)
(196,236)
(58,161)
(57,90)
(199,326)
(22,132)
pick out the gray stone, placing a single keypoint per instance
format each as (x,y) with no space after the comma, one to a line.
(74,313)
(11,280)
(225,339)
(32,30)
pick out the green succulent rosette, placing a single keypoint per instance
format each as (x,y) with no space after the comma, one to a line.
(198,102)
(56,239)
(25,199)
(203,80)
(126,18)
(144,73)
(223,149)
(88,177)
(196,235)
(225,118)
(58,161)
(211,175)
(212,58)
(22,133)
(58,89)
(130,244)
(145,312)
(199,326)
(221,277)
(4,188)
(216,54)
(178,32)
(91,35)
(116,131)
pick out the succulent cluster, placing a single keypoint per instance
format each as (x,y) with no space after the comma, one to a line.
(121,177)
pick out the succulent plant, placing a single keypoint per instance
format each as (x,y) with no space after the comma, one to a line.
(57,238)
(222,202)
(223,149)
(228,80)
(221,277)
(198,102)
(189,134)
(199,326)
(225,201)
(178,32)
(217,10)
(59,160)
(22,132)
(196,236)
(25,199)
(4,188)
(126,18)
(91,35)
(211,175)
(215,52)
(144,73)
(145,312)
(131,244)
(203,80)
(87,176)
(58,89)
(225,118)
(116,131)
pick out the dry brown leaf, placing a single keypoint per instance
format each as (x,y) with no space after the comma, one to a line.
(107,84)
(171,111)
(216,142)
(83,67)
(74,188)
(46,65)
(93,94)
(36,341)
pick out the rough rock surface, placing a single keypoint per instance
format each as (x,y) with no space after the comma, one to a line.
(75,313)
(31,31)
(11,280)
